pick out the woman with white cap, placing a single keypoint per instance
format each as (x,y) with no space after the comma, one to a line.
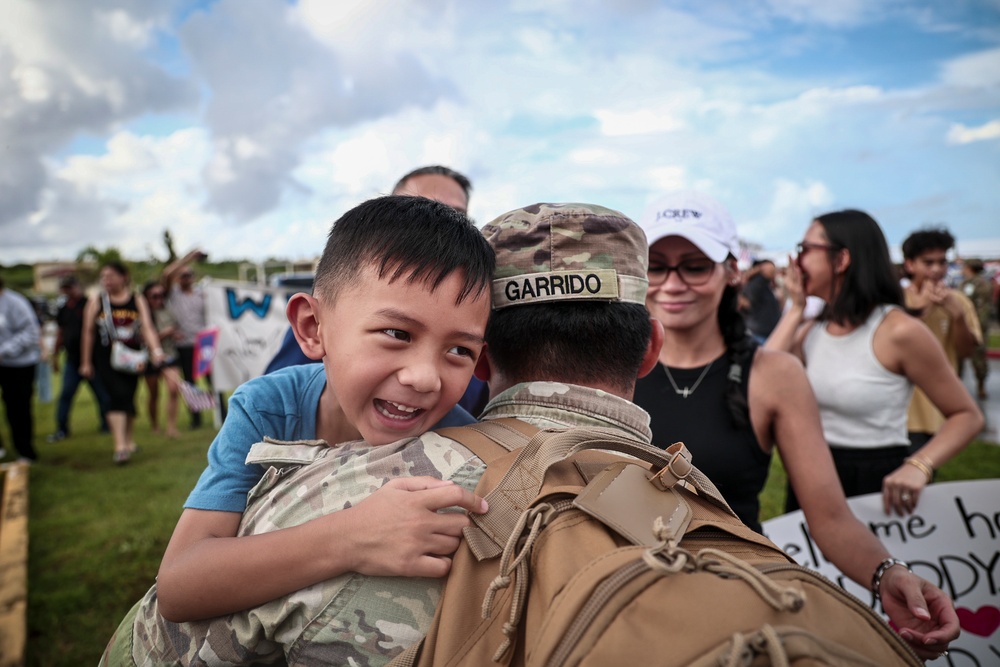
(731,403)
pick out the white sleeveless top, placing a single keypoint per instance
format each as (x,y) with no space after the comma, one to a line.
(861,404)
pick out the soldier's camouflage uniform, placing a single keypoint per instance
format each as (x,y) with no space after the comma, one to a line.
(980,292)
(353,619)
(545,252)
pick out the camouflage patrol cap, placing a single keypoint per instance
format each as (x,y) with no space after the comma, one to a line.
(563,252)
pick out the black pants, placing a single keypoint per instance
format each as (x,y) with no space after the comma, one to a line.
(860,470)
(17,383)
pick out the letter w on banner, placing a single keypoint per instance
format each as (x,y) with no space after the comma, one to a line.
(251,324)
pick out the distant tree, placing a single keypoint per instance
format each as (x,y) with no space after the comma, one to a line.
(168,240)
(100,257)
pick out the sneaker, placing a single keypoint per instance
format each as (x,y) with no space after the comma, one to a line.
(57,436)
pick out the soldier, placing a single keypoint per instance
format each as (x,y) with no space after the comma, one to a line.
(978,289)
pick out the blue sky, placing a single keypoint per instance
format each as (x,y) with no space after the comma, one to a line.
(246,126)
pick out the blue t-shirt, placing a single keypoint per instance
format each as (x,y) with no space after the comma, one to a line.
(281,405)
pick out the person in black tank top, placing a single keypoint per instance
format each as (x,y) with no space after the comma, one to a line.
(131,323)
(730,455)
(702,393)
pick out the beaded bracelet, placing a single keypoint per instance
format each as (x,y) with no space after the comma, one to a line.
(881,569)
(922,464)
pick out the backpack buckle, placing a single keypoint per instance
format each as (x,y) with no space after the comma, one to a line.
(678,467)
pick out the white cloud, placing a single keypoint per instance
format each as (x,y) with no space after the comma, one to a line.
(664,179)
(124,28)
(33,82)
(976,70)
(792,204)
(128,195)
(960,134)
(289,88)
(66,73)
(642,121)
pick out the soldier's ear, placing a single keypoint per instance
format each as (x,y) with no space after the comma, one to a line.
(652,354)
(303,314)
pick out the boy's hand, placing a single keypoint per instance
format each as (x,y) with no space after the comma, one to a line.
(399,530)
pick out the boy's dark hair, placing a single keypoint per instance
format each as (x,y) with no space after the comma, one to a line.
(870,279)
(404,237)
(583,342)
(437,169)
(931,238)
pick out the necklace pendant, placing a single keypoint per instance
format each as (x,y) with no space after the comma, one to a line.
(687,391)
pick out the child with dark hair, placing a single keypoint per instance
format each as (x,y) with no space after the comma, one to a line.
(865,356)
(949,315)
(398,317)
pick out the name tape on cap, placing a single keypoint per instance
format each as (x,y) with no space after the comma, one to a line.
(590,284)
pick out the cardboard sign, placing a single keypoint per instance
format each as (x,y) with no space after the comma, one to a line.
(952,540)
(251,324)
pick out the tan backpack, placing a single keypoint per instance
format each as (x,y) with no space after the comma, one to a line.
(590,558)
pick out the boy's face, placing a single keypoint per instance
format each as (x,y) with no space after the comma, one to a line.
(398,356)
(931,265)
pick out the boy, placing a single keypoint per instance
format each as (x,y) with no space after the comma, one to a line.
(398,317)
(948,313)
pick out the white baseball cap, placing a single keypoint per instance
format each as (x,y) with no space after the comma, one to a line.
(696,217)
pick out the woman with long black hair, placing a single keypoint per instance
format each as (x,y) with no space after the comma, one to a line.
(863,356)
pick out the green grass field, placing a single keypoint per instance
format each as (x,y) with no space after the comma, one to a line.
(97,531)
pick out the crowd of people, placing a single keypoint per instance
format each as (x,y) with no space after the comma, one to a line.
(148,329)
(407,330)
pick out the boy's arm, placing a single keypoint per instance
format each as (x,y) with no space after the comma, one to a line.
(398,531)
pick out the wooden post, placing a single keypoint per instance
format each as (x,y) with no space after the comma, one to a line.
(13,563)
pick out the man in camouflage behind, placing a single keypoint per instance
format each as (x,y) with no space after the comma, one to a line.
(978,289)
(568,337)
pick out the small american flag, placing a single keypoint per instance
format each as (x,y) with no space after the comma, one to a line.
(198,400)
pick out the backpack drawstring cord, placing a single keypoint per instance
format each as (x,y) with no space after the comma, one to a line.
(516,559)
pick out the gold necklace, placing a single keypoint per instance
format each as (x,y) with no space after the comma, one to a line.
(687,391)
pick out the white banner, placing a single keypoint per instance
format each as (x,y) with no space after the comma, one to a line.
(953,541)
(251,321)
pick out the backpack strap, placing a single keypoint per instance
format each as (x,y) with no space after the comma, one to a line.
(489,440)
(523,479)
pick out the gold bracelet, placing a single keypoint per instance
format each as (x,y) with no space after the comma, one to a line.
(923,465)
